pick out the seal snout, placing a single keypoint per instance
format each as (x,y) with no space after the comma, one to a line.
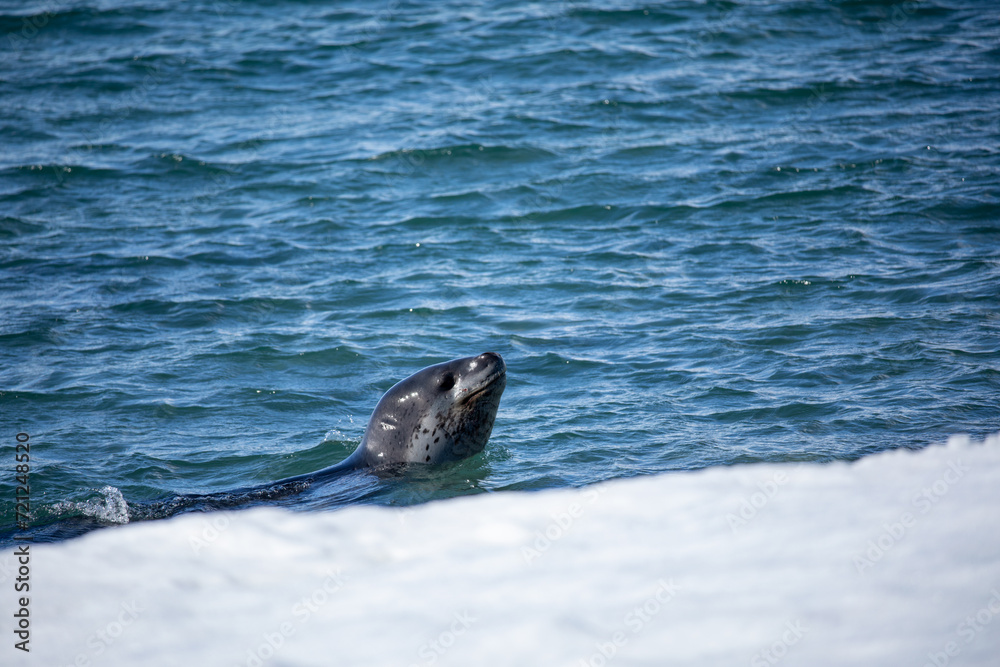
(492,365)
(488,373)
(492,359)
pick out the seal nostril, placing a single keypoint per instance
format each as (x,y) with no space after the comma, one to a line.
(491,356)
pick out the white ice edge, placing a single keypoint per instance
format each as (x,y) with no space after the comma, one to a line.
(892,560)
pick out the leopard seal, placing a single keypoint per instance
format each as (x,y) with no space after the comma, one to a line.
(440,414)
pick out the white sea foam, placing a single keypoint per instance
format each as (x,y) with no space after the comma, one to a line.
(891,560)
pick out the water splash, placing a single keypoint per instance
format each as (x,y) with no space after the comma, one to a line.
(111,509)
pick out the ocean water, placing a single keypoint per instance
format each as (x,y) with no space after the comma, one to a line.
(700,234)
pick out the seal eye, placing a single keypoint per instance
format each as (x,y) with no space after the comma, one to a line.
(447,382)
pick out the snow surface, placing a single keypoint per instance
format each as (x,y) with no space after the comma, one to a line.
(891,560)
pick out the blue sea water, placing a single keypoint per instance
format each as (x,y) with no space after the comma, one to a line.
(700,234)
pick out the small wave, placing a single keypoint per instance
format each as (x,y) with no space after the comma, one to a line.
(413,158)
(112,509)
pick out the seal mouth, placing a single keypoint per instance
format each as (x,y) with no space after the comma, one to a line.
(486,384)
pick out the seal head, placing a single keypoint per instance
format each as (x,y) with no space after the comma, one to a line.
(443,413)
